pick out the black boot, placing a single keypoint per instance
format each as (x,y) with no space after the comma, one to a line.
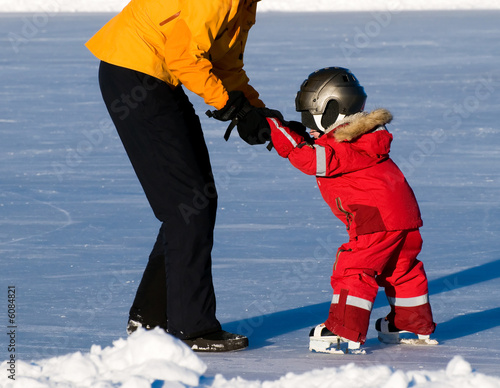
(219,341)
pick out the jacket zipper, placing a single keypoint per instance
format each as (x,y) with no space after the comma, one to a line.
(348,215)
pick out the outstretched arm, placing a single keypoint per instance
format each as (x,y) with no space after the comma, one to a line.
(296,145)
(321,158)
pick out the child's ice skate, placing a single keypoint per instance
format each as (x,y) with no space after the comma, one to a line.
(390,334)
(323,340)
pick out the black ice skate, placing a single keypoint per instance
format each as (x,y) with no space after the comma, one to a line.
(219,341)
(390,334)
(323,340)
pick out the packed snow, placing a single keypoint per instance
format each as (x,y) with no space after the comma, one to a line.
(75,228)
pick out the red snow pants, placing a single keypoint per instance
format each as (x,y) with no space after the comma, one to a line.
(389,260)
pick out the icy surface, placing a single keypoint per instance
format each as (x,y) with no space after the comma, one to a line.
(75,228)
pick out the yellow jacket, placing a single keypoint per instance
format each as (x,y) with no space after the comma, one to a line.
(197,43)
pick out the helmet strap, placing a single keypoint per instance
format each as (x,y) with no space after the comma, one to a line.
(317,120)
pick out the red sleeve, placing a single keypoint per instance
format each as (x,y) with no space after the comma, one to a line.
(284,139)
(317,159)
(325,158)
(291,145)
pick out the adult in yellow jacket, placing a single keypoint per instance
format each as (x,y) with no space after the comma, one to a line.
(147,52)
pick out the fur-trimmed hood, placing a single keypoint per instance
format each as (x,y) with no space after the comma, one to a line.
(353,126)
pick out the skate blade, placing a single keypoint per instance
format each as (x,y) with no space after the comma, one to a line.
(405,338)
(335,346)
(422,340)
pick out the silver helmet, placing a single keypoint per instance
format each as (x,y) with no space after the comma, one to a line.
(327,95)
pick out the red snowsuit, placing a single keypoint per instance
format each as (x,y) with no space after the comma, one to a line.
(367,191)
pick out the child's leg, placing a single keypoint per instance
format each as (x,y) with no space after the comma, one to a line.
(405,284)
(354,284)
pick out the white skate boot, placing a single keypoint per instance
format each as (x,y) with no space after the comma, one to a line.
(323,340)
(390,334)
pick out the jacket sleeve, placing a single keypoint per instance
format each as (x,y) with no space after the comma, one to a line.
(230,71)
(229,68)
(328,158)
(186,49)
(283,138)
(187,53)
(324,158)
(293,146)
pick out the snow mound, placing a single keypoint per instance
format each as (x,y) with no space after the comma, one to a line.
(144,357)
(458,374)
(154,359)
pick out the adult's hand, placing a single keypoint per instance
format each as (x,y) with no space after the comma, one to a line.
(234,106)
(253,127)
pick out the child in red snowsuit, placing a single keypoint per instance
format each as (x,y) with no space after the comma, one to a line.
(369,194)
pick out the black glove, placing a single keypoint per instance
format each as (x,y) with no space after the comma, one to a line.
(299,129)
(272,113)
(253,127)
(234,105)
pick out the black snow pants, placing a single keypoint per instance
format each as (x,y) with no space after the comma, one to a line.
(164,141)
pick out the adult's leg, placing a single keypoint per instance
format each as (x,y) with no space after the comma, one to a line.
(150,303)
(164,141)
